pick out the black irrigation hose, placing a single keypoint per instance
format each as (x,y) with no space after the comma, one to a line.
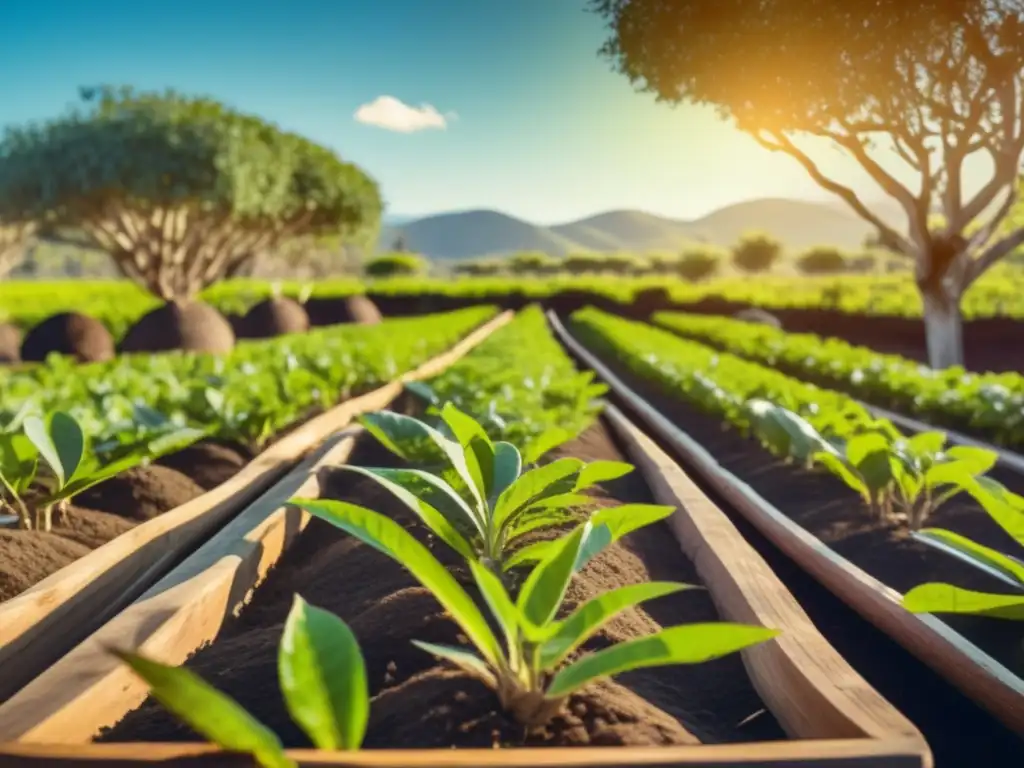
(960,733)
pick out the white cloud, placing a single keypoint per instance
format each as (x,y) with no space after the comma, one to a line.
(391,114)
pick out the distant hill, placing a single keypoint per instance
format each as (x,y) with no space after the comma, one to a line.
(798,224)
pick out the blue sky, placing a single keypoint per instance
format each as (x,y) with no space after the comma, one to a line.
(536,124)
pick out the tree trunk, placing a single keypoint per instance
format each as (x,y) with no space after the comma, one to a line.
(943,328)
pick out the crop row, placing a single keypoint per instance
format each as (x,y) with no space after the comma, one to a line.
(991,404)
(244,397)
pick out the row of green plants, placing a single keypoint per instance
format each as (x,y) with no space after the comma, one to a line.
(66,426)
(897,477)
(989,404)
(481,495)
(118,304)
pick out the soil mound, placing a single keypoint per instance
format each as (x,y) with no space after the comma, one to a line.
(140,493)
(275,317)
(69,333)
(192,326)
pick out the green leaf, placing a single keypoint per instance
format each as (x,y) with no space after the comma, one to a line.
(498,600)
(208,712)
(35,430)
(538,550)
(876,469)
(578,627)
(600,472)
(978,555)
(1002,505)
(927,443)
(69,442)
(545,587)
(688,644)
(18,460)
(534,485)
(837,466)
(507,466)
(388,537)
(468,662)
(546,441)
(422,391)
(977,461)
(860,447)
(404,436)
(477,447)
(945,598)
(323,677)
(434,501)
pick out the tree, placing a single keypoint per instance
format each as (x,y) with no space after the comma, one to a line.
(396,265)
(180,191)
(929,83)
(756,252)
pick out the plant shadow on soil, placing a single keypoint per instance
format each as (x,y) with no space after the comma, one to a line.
(953,725)
(420,703)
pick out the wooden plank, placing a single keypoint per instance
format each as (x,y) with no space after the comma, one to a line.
(951,655)
(806,684)
(855,753)
(45,621)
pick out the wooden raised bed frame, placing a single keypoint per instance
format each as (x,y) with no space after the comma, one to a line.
(835,717)
(42,623)
(977,674)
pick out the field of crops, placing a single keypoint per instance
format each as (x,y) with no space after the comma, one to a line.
(495,536)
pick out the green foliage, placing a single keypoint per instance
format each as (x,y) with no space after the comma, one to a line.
(822,260)
(756,253)
(534,262)
(991,404)
(525,662)
(395,265)
(698,264)
(322,677)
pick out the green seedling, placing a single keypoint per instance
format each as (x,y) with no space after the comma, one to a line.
(478,499)
(531,671)
(322,676)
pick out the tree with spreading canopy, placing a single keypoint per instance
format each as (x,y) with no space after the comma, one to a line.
(180,191)
(926,84)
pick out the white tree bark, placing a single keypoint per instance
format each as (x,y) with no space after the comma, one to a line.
(943,329)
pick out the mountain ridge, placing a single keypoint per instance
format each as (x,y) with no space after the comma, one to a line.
(477,233)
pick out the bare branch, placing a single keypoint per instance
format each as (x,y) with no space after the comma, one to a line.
(994,253)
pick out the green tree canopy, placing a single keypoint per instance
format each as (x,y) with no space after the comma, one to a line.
(928,83)
(181,191)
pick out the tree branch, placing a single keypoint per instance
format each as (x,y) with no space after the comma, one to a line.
(994,253)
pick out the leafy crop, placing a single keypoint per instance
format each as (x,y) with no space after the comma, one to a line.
(528,670)
(990,404)
(894,475)
(322,676)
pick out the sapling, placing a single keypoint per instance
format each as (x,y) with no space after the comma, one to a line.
(322,676)
(530,670)
(474,495)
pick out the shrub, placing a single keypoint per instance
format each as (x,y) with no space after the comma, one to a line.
(756,252)
(395,264)
(698,263)
(535,262)
(822,259)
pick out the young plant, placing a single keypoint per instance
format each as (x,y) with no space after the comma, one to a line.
(478,499)
(1007,510)
(528,670)
(322,676)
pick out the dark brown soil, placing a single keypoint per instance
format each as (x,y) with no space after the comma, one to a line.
(141,493)
(28,557)
(10,343)
(347,309)
(828,509)
(69,333)
(208,463)
(417,702)
(91,528)
(275,317)
(192,326)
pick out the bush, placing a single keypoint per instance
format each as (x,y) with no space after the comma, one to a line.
(756,252)
(822,260)
(698,263)
(395,265)
(478,267)
(533,262)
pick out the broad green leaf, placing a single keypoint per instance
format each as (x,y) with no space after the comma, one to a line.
(468,662)
(385,535)
(982,557)
(69,442)
(476,445)
(498,600)
(507,466)
(954,473)
(945,598)
(534,485)
(977,461)
(36,431)
(596,538)
(538,550)
(626,518)
(1002,505)
(422,391)
(209,712)
(926,443)
(859,447)
(174,441)
(600,472)
(837,466)
(435,502)
(18,460)
(404,436)
(581,624)
(539,518)
(546,441)
(876,469)
(323,677)
(545,587)
(688,644)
